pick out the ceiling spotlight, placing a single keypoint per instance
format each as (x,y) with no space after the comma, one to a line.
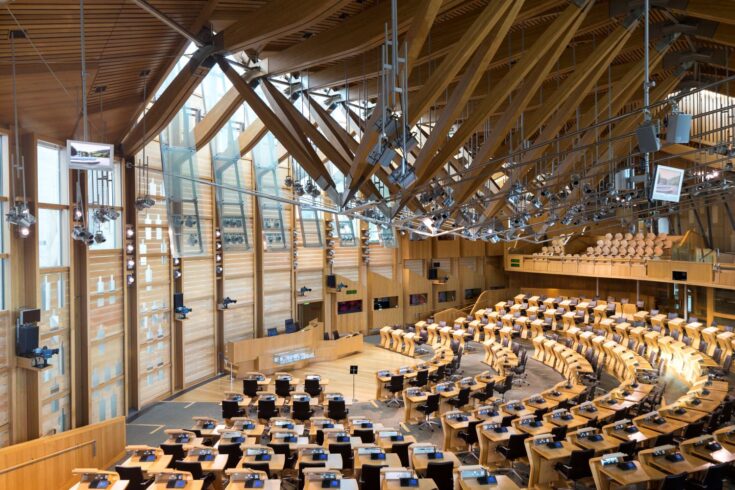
(574,180)
(129,248)
(82,234)
(129,233)
(288,181)
(20,216)
(177,274)
(144,202)
(99,237)
(130,264)
(298,189)
(78,213)
(131,279)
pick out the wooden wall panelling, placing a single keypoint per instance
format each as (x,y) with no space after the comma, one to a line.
(153,290)
(312,279)
(469,248)
(54,383)
(415,282)
(450,269)
(380,286)
(105,335)
(198,332)
(445,248)
(277,289)
(415,249)
(49,461)
(239,284)
(471,276)
(5,376)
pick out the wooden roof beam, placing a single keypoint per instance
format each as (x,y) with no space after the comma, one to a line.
(169,103)
(563,100)
(463,50)
(285,133)
(251,136)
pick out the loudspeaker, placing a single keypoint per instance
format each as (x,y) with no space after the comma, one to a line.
(27,340)
(332,281)
(648,141)
(178,300)
(433,273)
(680,125)
(679,275)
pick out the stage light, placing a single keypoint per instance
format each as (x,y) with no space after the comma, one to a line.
(129,233)
(20,216)
(144,202)
(99,237)
(130,279)
(177,274)
(130,264)
(129,248)
(78,213)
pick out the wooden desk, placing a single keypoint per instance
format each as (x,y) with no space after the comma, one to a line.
(421,461)
(607,444)
(543,460)
(544,428)
(275,465)
(216,466)
(640,474)
(451,429)
(688,417)
(690,464)
(547,403)
(118,485)
(391,459)
(697,448)
(148,467)
(424,484)
(190,485)
(504,483)
(490,440)
(269,485)
(670,426)
(575,422)
(387,444)
(333,462)
(640,436)
(345,484)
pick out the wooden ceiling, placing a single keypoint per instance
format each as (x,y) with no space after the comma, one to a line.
(335,45)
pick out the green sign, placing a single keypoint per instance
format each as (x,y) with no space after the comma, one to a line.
(515,262)
(352,291)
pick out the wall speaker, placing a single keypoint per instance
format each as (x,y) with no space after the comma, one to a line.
(680,126)
(433,273)
(332,281)
(648,141)
(679,275)
(27,340)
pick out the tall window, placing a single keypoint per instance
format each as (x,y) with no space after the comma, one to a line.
(4,160)
(53,197)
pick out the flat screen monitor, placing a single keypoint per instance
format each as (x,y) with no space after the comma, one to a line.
(85,155)
(272,332)
(446,296)
(345,307)
(472,293)
(667,183)
(433,273)
(385,302)
(418,299)
(30,315)
(291,326)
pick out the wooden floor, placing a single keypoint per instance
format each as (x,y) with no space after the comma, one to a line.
(371,360)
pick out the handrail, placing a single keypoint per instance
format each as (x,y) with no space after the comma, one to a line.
(49,456)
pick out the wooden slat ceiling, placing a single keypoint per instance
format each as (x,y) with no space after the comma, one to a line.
(121,41)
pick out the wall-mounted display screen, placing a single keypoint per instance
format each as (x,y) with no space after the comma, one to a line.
(472,293)
(354,306)
(385,302)
(447,296)
(418,299)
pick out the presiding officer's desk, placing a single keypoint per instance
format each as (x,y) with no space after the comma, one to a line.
(272,354)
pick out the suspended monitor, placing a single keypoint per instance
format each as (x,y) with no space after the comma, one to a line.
(83,155)
(667,183)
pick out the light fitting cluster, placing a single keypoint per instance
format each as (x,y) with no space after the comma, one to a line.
(21,217)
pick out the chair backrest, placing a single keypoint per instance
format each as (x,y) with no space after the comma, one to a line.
(367,436)
(259,466)
(302,409)
(396,383)
(694,430)
(627,447)
(401,449)
(175,450)
(432,401)
(336,409)
(345,449)
(233,452)
(506,420)
(559,433)
(230,409)
(422,377)
(715,474)
(471,437)
(674,482)
(664,439)
(193,467)
(305,464)
(335,335)
(517,446)
(283,388)
(442,473)
(280,448)
(579,460)
(133,474)
(250,387)
(371,475)
(266,409)
(464,395)
(489,388)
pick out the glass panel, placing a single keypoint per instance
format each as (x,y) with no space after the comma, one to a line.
(52,238)
(182,189)
(271,211)
(53,177)
(230,171)
(724,301)
(310,227)
(346,231)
